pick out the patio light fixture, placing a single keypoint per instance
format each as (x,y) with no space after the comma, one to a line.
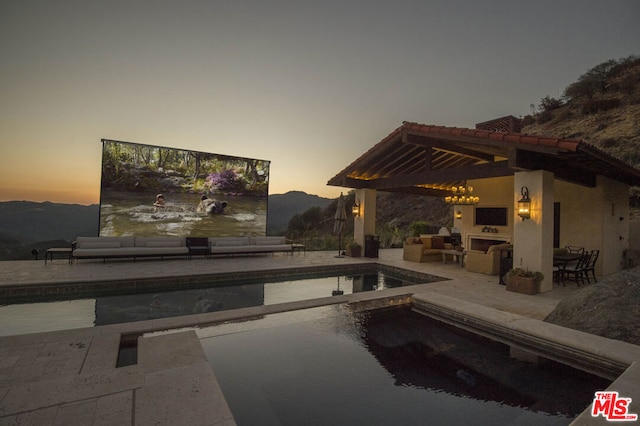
(524,204)
(355,209)
(462,195)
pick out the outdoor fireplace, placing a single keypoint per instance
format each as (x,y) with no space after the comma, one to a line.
(482,242)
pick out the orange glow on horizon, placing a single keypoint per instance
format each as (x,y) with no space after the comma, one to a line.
(88,196)
(52,195)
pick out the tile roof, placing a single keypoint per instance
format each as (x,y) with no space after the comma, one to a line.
(402,153)
(564,144)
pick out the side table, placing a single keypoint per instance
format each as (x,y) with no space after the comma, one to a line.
(59,251)
(457,255)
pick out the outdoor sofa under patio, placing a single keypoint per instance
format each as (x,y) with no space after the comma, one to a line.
(134,247)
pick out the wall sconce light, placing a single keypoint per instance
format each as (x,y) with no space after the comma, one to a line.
(458,215)
(355,209)
(524,204)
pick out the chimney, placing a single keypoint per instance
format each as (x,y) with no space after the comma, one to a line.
(508,124)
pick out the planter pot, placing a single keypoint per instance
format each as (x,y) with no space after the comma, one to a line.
(524,285)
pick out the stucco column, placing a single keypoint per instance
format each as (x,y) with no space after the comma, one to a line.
(365,224)
(533,238)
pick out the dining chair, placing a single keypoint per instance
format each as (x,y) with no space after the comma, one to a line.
(558,273)
(591,266)
(574,249)
(578,271)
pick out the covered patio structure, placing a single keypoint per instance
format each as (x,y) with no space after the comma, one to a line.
(579,194)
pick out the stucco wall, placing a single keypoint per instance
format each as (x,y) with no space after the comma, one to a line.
(365,224)
(533,238)
(494,192)
(590,218)
(634,234)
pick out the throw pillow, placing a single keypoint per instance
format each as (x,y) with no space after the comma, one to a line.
(437,243)
(426,242)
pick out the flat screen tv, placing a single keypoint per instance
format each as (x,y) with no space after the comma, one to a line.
(492,216)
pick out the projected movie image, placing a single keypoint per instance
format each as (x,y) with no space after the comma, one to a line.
(155,191)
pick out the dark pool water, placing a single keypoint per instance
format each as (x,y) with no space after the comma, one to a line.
(87,312)
(387,367)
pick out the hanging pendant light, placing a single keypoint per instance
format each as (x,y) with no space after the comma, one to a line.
(462,195)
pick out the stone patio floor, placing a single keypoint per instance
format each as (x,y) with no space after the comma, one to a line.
(69,377)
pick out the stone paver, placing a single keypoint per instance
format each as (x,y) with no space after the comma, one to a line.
(62,377)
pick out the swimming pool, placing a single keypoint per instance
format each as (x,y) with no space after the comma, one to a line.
(195,297)
(384,366)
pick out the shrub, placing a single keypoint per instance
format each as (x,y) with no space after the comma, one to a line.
(545,117)
(591,106)
(418,227)
(519,272)
(608,143)
(225,181)
(549,104)
(528,120)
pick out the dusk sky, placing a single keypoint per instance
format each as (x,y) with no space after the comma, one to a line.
(309,86)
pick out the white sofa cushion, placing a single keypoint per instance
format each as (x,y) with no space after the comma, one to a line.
(159,242)
(99,244)
(229,241)
(274,240)
(169,243)
(122,241)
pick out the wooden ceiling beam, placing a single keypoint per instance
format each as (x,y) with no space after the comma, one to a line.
(417,190)
(445,146)
(384,165)
(470,140)
(480,171)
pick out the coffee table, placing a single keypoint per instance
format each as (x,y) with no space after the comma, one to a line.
(458,256)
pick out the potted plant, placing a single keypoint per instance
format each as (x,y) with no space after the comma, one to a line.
(353,249)
(523,280)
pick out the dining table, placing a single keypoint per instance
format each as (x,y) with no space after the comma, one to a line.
(564,258)
(561,260)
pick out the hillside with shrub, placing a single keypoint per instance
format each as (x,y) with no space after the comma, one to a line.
(601,108)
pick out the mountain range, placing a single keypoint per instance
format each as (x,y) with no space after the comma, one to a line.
(282,207)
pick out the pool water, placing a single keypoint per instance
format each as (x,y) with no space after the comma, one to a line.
(386,366)
(114,309)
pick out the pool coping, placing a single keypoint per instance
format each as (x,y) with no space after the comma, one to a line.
(612,359)
(36,291)
(103,337)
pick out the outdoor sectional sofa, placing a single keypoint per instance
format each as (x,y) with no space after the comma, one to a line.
(133,247)
(248,245)
(486,262)
(427,248)
(113,247)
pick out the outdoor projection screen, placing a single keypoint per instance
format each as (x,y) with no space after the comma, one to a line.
(205,195)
